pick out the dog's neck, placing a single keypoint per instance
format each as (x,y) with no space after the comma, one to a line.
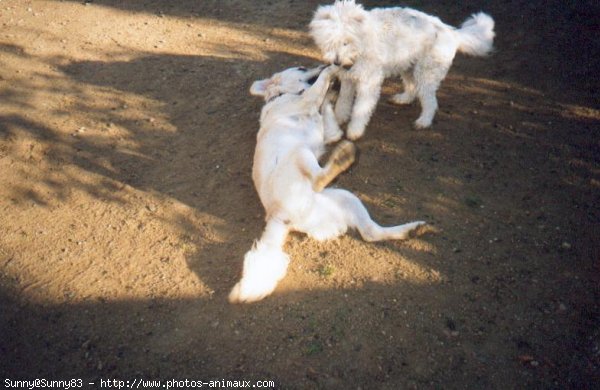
(270,99)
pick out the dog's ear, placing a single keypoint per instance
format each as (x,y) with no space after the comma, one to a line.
(346,2)
(323,13)
(357,14)
(359,17)
(259,88)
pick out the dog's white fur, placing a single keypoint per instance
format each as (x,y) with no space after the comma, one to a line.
(297,122)
(387,42)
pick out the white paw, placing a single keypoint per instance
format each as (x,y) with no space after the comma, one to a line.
(342,115)
(354,132)
(246,291)
(264,267)
(402,98)
(336,136)
(423,123)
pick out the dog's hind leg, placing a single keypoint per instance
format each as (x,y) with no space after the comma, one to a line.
(410,89)
(429,106)
(358,217)
(428,75)
(341,158)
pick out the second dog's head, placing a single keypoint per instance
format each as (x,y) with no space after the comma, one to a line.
(338,30)
(290,81)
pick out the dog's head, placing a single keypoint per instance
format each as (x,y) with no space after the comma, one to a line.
(290,81)
(338,30)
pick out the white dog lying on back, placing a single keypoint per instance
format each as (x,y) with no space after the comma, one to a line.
(386,42)
(296,123)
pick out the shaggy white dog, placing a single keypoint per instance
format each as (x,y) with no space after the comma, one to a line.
(384,42)
(296,123)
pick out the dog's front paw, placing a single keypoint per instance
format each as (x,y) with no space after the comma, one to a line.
(423,123)
(333,135)
(329,71)
(354,132)
(334,69)
(402,98)
(343,112)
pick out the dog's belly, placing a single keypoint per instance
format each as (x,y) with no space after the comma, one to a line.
(282,187)
(394,69)
(288,202)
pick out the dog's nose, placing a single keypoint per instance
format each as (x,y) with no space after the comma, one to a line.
(337,63)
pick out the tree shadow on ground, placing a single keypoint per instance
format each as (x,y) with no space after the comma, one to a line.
(562,34)
(298,339)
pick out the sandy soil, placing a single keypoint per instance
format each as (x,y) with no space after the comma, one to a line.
(126,205)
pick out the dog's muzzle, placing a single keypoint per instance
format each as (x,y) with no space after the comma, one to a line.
(343,66)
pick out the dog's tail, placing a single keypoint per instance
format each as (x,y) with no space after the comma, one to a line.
(476,35)
(264,265)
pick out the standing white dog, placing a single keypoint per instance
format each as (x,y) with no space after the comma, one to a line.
(296,123)
(384,42)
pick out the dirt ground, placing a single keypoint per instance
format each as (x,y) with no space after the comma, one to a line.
(126,205)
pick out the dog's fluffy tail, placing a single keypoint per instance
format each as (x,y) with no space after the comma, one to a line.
(476,35)
(264,265)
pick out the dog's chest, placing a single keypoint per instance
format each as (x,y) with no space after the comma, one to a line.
(281,135)
(303,128)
